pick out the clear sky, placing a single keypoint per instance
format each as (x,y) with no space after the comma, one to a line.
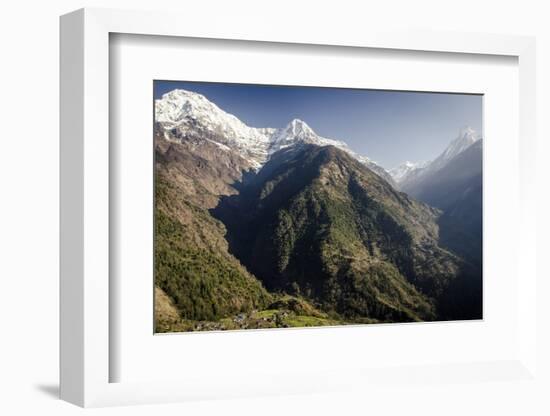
(389,127)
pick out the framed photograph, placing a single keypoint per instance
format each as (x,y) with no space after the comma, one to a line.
(262,227)
(271,213)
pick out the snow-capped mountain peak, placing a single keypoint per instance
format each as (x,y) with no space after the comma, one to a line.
(298,131)
(411,171)
(176,105)
(181,106)
(409,165)
(403,170)
(465,139)
(184,114)
(299,127)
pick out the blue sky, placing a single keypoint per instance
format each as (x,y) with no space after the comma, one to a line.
(389,127)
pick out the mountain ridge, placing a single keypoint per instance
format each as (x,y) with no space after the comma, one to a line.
(320,213)
(261,228)
(408,173)
(181,113)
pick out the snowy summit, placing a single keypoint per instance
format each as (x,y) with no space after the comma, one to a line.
(409,170)
(181,112)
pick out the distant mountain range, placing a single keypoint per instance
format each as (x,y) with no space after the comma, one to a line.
(276,227)
(408,174)
(402,172)
(453,182)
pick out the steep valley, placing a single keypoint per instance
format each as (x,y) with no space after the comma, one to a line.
(299,231)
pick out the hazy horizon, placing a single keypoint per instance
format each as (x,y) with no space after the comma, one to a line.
(390,127)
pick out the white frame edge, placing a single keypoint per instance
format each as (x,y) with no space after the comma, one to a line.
(84,176)
(71,314)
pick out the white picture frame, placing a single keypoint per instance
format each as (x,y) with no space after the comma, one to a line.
(85,355)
